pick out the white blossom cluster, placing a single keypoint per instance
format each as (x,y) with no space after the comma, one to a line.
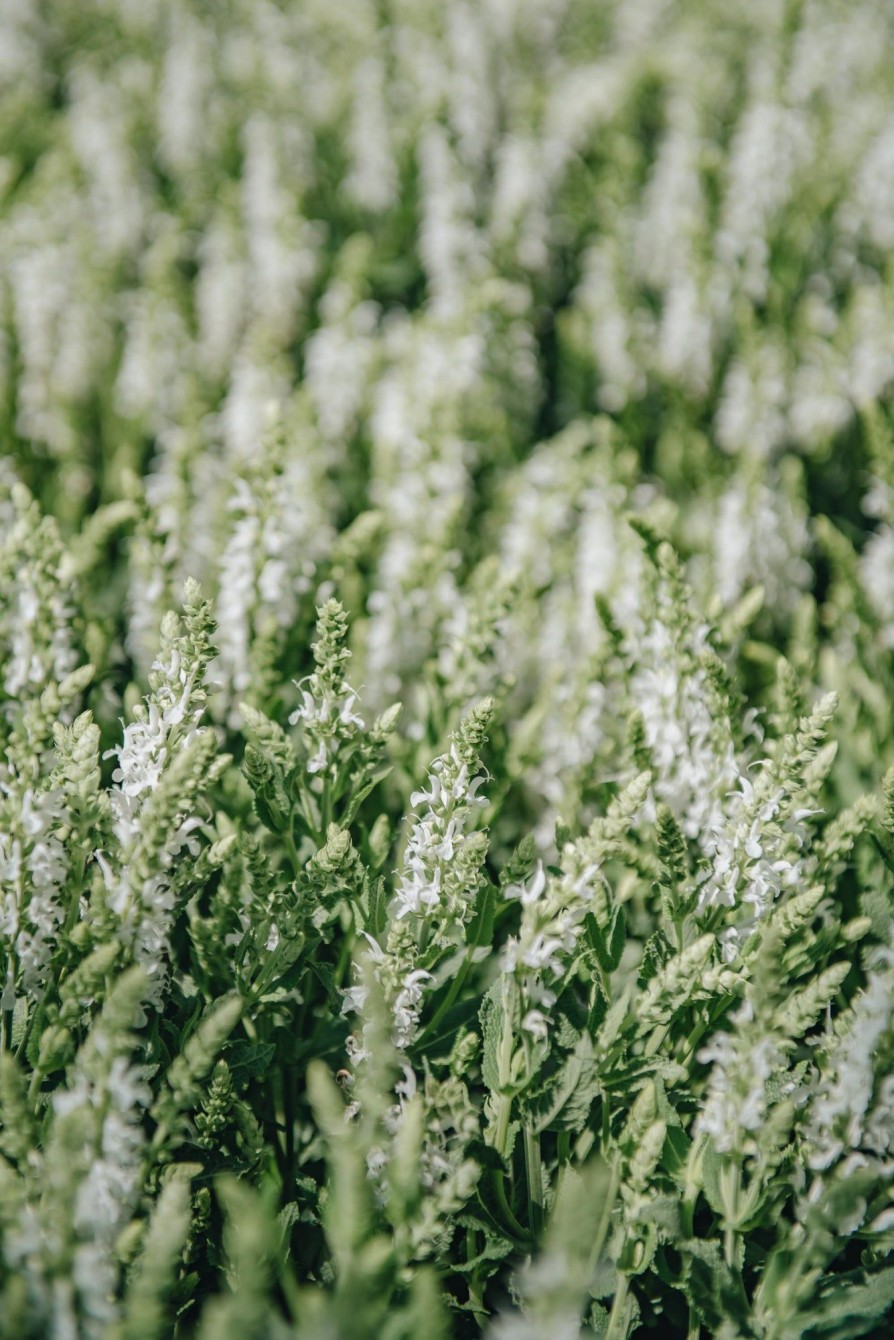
(554,907)
(428,879)
(850,1116)
(141,893)
(742,1061)
(35,859)
(94,1163)
(546,351)
(434,893)
(40,658)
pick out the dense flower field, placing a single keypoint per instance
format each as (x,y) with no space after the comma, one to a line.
(446,669)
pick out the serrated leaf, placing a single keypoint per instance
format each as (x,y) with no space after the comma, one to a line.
(608,943)
(377,918)
(481,927)
(656,952)
(567,1093)
(711,1165)
(491,1018)
(248,1060)
(611,1026)
(486,1155)
(363,791)
(714,1291)
(20,1020)
(850,1305)
(675,1154)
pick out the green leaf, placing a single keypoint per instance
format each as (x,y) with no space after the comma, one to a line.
(378,909)
(566,1090)
(675,1154)
(248,1060)
(481,927)
(608,944)
(714,1291)
(20,1020)
(712,1164)
(485,1155)
(358,796)
(851,1305)
(656,952)
(491,1018)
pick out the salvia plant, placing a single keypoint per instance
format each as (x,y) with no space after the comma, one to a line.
(446,635)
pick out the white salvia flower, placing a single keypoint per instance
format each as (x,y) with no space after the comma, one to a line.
(220,295)
(38,629)
(165,726)
(406,1007)
(108,1194)
(752,414)
(150,385)
(437,885)
(91,1160)
(870,368)
(280,531)
(372,180)
(339,359)
(750,851)
(255,382)
(47,865)
(877,579)
(99,124)
(436,365)
(760,537)
(553,912)
(524,173)
(428,880)
(736,1100)
(754,846)
(536,1024)
(327,712)
(878,1134)
(528,893)
(771,144)
(840,1118)
(450,245)
(615,336)
(690,746)
(282,245)
(186,81)
(446,1173)
(238,587)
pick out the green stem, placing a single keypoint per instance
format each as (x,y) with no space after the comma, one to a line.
(289,1095)
(606,1122)
(655,1041)
(605,1220)
(504,1062)
(292,849)
(511,1223)
(731,1185)
(455,988)
(476,1302)
(504,1107)
(344,958)
(73,910)
(617,1327)
(534,1178)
